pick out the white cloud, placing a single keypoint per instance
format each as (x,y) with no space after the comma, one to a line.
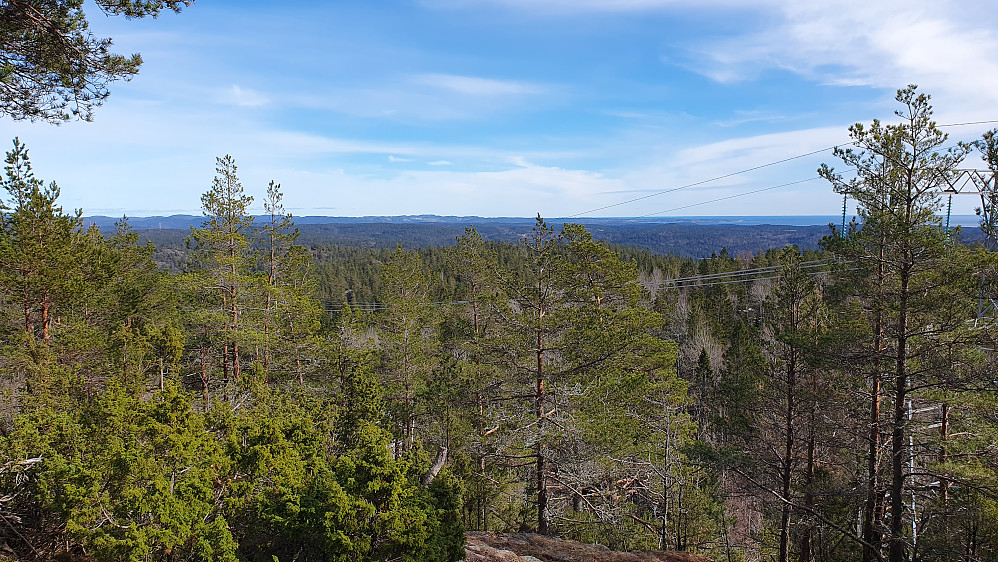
(393,158)
(947,47)
(440,163)
(433,97)
(741,117)
(476,86)
(944,46)
(243,97)
(524,191)
(733,154)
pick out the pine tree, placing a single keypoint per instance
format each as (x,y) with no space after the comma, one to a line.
(407,335)
(794,316)
(901,251)
(291,312)
(37,241)
(221,262)
(584,381)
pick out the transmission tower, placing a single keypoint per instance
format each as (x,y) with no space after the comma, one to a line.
(984,184)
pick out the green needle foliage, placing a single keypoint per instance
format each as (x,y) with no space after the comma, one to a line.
(52,68)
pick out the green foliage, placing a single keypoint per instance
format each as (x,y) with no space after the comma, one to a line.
(52,68)
(291,313)
(38,245)
(912,283)
(407,336)
(125,478)
(563,387)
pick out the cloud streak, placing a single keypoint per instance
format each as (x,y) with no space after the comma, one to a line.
(476,86)
(243,97)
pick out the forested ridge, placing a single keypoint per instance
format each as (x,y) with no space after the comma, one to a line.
(684,240)
(254,397)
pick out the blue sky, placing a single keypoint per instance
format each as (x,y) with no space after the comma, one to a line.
(512,107)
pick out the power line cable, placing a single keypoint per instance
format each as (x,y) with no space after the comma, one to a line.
(731,197)
(709,180)
(746,170)
(746,280)
(706,280)
(740,272)
(969,123)
(769,188)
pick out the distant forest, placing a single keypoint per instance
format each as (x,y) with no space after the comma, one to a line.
(676,239)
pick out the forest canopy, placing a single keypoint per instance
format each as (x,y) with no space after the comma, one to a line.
(272,400)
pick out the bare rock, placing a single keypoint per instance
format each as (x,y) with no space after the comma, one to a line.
(528,547)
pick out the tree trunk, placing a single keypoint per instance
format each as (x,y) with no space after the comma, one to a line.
(871,513)
(788,451)
(899,450)
(45,320)
(204,377)
(235,361)
(542,492)
(438,463)
(806,547)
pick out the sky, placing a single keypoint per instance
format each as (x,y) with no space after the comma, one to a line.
(567,108)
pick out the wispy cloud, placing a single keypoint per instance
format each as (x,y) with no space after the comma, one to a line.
(741,117)
(393,158)
(577,6)
(440,163)
(477,86)
(944,46)
(244,97)
(433,97)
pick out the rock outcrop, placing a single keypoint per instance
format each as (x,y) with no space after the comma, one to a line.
(528,547)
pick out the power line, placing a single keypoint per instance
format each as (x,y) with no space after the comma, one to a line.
(721,177)
(731,196)
(706,280)
(740,272)
(765,188)
(746,170)
(746,280)
(969,123)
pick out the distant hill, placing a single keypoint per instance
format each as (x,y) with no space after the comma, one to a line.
(186,221)
(695,237)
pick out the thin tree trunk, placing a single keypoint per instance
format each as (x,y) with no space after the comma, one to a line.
(235,361)
(943,436)
(806,547)
(271,279)
(542,492)
(871,514)
(788,450)
(45,320)
(899,450)
(204,377)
